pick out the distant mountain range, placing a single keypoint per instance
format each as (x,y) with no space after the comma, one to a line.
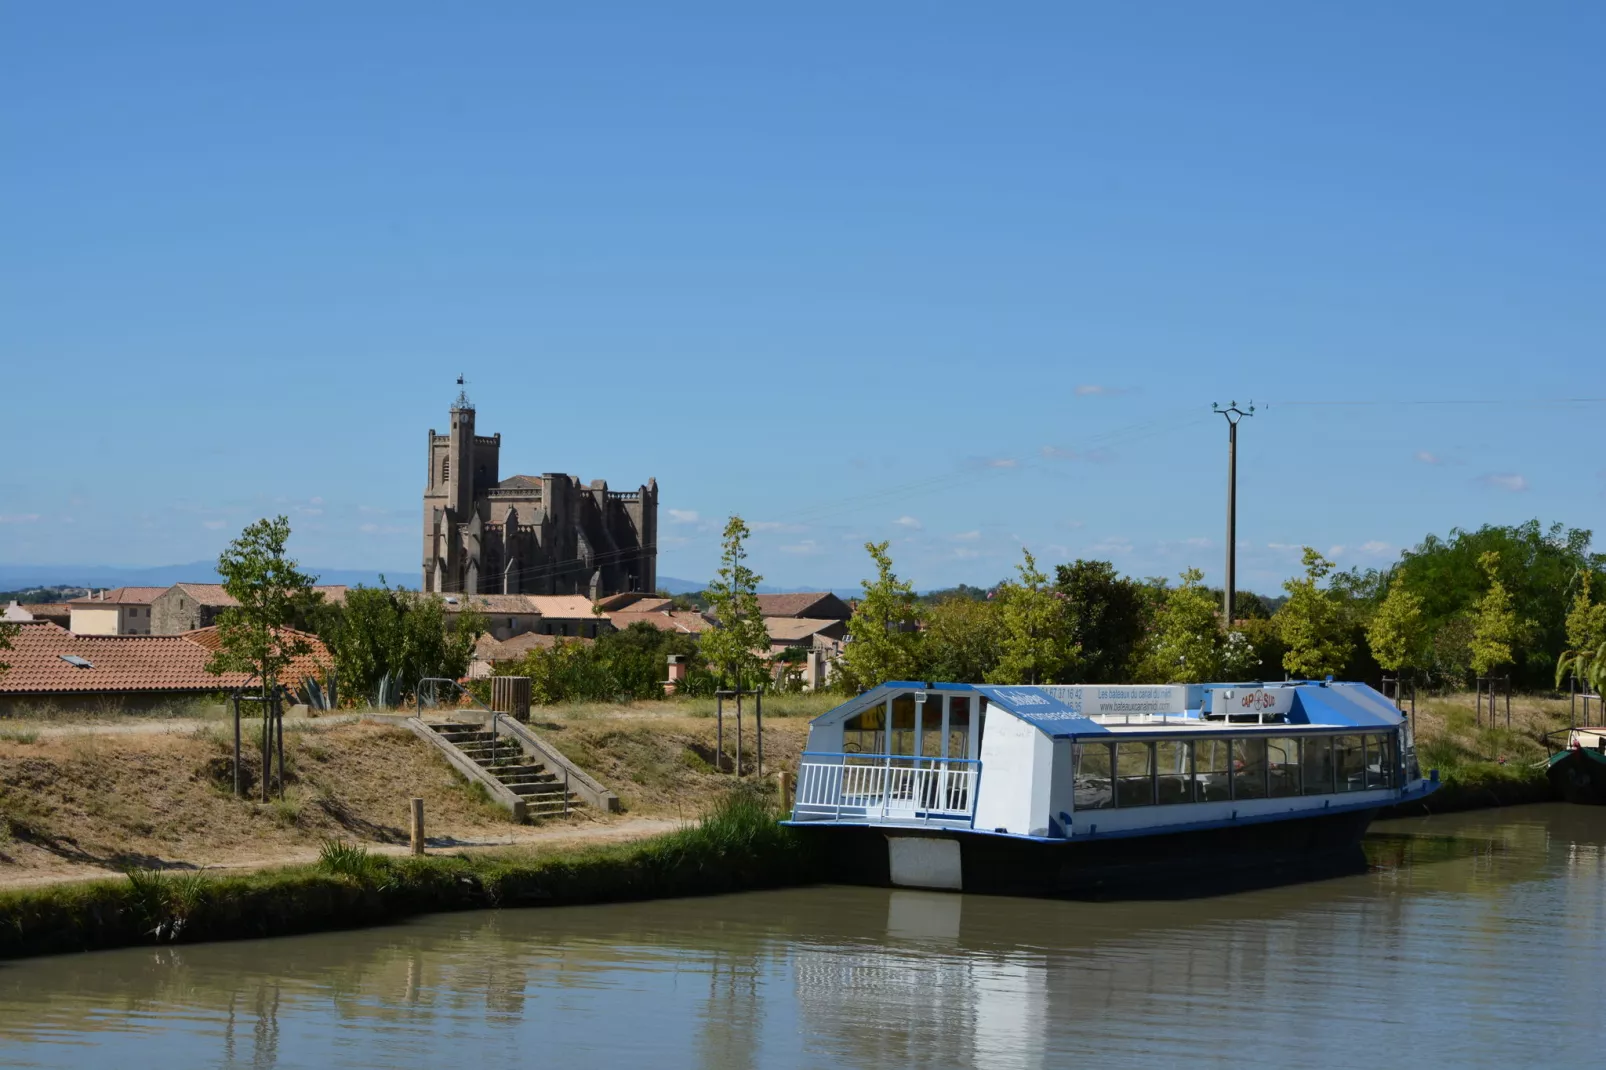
(19,577)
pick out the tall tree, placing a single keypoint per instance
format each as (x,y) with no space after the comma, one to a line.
(1585,656)
(1105,618)
(1185,643)
(882,636)
(1034,644)
(7,633)
(736,646)
(1311,622)
(254,636)
(960,643)
(1495,628)
(1398,634)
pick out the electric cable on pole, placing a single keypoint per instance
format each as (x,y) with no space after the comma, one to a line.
(1234,415)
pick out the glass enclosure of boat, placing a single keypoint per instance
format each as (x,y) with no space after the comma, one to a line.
(1167,771)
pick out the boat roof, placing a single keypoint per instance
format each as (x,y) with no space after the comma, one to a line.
(1075,710)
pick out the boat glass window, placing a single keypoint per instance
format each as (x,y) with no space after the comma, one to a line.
(958,726)
(865,733)
(1282,766)
(1249,768)
(1318,762)
(1134,774)
(1211,764)
(1173,763)
(931,726)
(1349,762)
(1379,761)
(901,738)
(1091,776)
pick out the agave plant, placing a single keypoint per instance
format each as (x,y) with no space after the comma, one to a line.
(387,692)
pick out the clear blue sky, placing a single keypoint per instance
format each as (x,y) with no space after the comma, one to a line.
(960,276)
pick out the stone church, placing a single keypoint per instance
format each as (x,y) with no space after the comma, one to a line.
(547,534)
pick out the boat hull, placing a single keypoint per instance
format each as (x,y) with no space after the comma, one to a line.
(1578,775)
(1182,864)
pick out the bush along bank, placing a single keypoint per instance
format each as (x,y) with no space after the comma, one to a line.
(1479,786)
(737,847)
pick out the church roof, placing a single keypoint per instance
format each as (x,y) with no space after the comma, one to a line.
(520,483)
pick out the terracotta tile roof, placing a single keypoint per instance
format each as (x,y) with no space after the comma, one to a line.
(634,600)
(490,603)
(818,604)
(127,596)
(489,649)
(59,612)
(791,629)
(676,621)
(213,594)
(313,663)
(122,664)
(562,606)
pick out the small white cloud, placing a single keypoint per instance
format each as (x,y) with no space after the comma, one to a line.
(212,525)
(774,525)
(1506,481)
(966,536)
(1428,458)
(1285,547)
(317,501)
(1197,540)
(966,552)
(1002,462)
(381,529)
(683,516)
(19,518)
(1055,453)
(806,547)
(1094,390)
(908,522)
(1377,548)
(1334,551)
(1116,544)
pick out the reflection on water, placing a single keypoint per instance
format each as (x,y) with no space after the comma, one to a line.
(1477,940)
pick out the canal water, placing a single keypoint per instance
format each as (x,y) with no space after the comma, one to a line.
(1477,940)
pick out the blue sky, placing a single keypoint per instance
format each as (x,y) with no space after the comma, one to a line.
(960,276)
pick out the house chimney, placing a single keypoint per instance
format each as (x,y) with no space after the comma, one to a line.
(677,673)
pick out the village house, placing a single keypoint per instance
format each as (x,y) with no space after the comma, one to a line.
(121,611)
(184,607)
(509,615)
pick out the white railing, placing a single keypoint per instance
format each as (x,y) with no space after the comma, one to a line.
(885,787)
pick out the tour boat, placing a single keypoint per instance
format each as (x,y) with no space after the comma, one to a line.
(1578,771)
(1086,789)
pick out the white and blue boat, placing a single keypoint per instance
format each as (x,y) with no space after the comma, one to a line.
(1086,789)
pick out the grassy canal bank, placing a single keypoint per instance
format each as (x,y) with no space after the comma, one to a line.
(737,846)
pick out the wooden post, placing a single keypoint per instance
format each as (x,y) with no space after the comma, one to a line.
(758,718)
(278,719)
(267,744)
(418,826)
(738,730)
(783,782)
(238,791)
(719,731)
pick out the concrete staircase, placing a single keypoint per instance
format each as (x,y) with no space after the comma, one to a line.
(543,791)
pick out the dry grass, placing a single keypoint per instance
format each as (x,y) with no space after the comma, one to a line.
(1448,735)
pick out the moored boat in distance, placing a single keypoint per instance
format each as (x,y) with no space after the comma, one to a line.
(1073,790)
(1578,771)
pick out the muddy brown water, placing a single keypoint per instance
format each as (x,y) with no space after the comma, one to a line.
(1478,940)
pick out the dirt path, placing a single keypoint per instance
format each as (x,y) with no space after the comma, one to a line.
(515,836)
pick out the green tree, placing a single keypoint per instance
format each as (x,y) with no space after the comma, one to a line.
(960,643)
(1312,623)
(1034,645)
(255,635)
(1585,656)
(1105,617)
(1185,643)
(402,634)
(1495,628)
(7,633)
(735,647)
(1398,634)
(882,637)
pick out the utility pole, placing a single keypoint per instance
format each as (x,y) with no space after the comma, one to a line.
(1233,414)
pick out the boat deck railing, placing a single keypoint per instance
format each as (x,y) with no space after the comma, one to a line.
(886,788)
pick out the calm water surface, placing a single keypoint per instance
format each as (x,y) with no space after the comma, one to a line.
(1479,941)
